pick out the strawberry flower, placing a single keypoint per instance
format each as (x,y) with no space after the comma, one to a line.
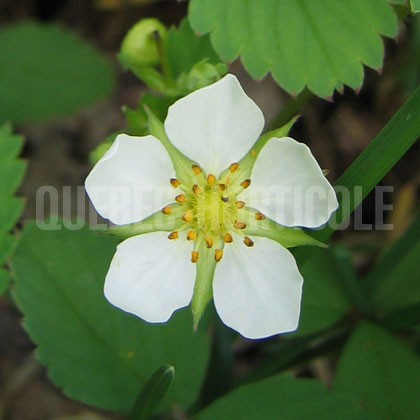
(208,207)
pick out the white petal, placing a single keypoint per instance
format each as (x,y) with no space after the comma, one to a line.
(131,181)
(216,125)
(289,187)
(151,276)
(257,291)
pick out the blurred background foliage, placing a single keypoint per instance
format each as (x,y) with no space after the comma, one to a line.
(356,352)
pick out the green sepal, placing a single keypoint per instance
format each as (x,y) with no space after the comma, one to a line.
(268,228)
(152,78)
(247,162)
(157,222)
(137,118)
(152,393)
(182,165)
(203,288)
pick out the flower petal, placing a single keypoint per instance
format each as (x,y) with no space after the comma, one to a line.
(151,276)
(289,187)
(215,125)
(257,291)
(131,181)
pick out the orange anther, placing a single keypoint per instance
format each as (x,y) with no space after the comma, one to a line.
(259,216)
(167,210)
(173,235)
(196,169)
(239,225)
(196,189)
(227,237)
(233,167)
(248,241)
(209,242)
(211,179)
(191,235)
(246,183)
(218,254)
(174,182)
(188,216)
(194,256)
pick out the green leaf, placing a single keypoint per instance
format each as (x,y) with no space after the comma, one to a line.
(4,280)
(283,397)
(381,372)
(10,211)
(184,49)
(406,317)
(46,70)
(93,351)
(7,243)
(320,44)
(415,6)
(12,171)
(324,300)
(153,393)
(382,153)
(395,279)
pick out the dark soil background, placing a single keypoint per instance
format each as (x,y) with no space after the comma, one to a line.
(57,152)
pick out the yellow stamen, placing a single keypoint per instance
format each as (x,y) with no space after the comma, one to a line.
(246,183)
(218,254)
(196,169)
(240,204)
(191,235)
(253,152)
(227,181)
(194,256)
(234,167)
(180,198)
(174,182)
(248,241)
(196,189)
(167,210)
(188,216)
(239,225)
(259,216)
(222,187)
(173,235)
(209,242)
(227,237)
(211,179)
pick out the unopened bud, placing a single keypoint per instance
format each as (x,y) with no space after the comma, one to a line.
(139,47)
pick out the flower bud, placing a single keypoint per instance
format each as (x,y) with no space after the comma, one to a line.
(140,46)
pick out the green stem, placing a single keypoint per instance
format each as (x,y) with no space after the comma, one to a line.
(164,62)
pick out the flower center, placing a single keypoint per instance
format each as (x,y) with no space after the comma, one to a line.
(210,211)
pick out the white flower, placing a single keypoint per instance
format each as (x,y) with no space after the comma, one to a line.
(233,186)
